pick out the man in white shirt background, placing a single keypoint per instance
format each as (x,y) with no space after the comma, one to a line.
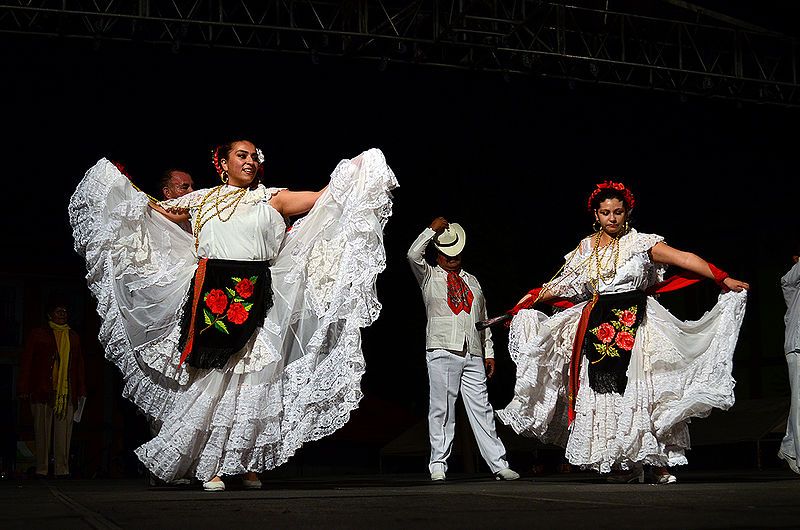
(459,357)
(790,284)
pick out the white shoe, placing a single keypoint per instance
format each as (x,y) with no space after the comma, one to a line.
(214,485)
(251,484)
(669,478)
(664,476)
(506,474)
(438,476)
(789,460)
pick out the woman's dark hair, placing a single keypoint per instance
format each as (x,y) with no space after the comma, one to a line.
(609,193)
(224,149)
(53,303)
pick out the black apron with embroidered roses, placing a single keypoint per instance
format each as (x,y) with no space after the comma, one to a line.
(610,334)
(227,301)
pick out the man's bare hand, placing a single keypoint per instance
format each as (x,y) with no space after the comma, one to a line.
(489,364)
(439,224)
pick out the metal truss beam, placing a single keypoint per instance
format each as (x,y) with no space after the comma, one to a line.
(679,50)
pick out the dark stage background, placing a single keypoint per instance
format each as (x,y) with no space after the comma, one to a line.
(512,160)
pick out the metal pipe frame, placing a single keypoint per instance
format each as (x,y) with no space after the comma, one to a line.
(673,48)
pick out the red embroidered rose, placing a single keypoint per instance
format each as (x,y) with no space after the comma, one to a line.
(605,332)
(625,340)
(216,301)
(237,313)
(628,318)
(245,288)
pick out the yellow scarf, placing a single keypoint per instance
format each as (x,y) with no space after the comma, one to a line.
(61,368)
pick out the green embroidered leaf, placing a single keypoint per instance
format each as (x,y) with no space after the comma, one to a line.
(599,347)
(612,352)
(238,299)
(205,296)
(207,318)
(220,325)
(616,323)
(231,292)
(253,279)
(235,279)
(632,309)
(247,306)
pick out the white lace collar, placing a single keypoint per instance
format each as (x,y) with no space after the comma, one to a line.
(631,243)
(192,200)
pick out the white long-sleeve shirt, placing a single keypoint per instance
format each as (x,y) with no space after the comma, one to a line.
(790,284)
(445,330)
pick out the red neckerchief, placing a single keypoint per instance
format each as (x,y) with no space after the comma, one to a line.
(459,295)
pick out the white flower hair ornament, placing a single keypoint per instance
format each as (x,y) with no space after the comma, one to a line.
(259,155)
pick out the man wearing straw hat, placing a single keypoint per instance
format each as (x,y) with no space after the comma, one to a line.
(459,357)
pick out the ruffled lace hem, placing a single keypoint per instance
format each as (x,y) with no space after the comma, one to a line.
(678,370)
(227,423)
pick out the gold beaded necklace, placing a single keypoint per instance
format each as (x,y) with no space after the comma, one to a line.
(597,256)
(220,205)
(601,272)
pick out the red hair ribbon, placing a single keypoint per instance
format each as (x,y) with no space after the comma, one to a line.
(611,185)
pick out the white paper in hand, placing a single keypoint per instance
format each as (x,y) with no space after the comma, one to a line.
(79,409)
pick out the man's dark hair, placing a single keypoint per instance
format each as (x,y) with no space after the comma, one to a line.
(53,303)
(166,176)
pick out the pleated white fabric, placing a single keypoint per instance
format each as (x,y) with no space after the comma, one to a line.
(678,370)
(299,376)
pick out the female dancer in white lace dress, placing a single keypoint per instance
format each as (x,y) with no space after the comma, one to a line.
(242,341)
(614,377)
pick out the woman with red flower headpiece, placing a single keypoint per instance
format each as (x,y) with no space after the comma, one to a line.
(241,341)
(614,377)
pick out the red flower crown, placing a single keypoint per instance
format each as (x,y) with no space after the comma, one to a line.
(611,185)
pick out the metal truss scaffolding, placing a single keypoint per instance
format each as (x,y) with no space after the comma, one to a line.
(666,45)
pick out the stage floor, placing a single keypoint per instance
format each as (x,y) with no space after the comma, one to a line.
(735,499)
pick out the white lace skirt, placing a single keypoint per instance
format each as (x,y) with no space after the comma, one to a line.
(678,370)
(299,376)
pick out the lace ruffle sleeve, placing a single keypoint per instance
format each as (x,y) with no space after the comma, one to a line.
(571,281)
(184,203)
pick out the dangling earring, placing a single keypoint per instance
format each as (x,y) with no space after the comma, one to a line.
(223,176)
(596,226)
(626,227)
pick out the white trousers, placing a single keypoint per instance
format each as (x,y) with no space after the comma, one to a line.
(449,374)
(790,446)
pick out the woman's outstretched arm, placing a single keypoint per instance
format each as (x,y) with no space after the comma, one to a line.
(291,203)
(663,253)
(176,216)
